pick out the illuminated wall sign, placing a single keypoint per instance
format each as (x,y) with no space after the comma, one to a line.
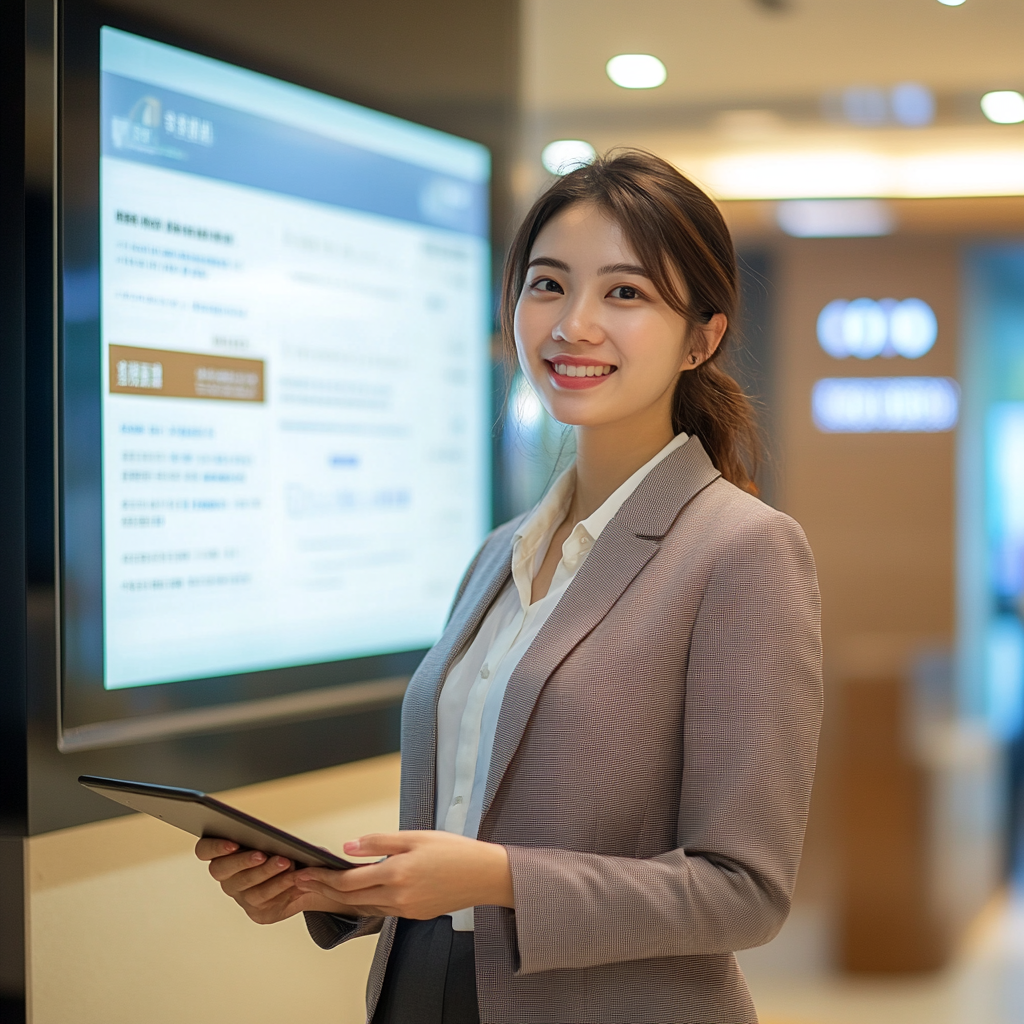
(835,218)
(868,327)
(864,405)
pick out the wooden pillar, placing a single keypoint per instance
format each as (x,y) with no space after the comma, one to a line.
(890,919)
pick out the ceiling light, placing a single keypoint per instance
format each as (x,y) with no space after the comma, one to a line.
(951,3)
(969,173)
(796,174)
(912,104)
(835,218)
(566,155)
(636,71)
(850,172)
(1003,107)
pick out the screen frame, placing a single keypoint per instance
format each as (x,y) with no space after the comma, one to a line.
(90,716)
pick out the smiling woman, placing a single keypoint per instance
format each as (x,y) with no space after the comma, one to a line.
(649,628)
(656,255)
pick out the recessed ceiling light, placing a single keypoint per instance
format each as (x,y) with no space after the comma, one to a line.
(1003,107)
(566,155)
(835,218)
(912,104)
(951,3)
(636,71)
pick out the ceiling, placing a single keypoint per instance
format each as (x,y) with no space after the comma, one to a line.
(748,80)
(749,106)
(728,51)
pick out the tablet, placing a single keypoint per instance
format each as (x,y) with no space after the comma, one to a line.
(206,817)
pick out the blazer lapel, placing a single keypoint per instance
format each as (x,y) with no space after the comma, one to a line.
(625,546)
(419,710)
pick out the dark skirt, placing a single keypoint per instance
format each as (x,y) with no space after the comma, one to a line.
(431,976)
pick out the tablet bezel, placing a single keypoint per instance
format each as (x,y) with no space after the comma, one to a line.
(281,843)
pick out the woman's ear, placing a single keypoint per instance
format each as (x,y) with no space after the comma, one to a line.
(704,340)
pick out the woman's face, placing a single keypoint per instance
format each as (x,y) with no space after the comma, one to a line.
(594,337)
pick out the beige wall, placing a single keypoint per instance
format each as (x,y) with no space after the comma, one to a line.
(126,926)
(878,509)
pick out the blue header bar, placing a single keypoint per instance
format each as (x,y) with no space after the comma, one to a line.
(145,60)
(161,127)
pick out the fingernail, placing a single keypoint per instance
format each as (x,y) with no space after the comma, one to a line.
(352,846)
(281,862)
(257,858)
(231,847)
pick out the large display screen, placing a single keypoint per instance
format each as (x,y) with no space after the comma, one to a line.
(293,365)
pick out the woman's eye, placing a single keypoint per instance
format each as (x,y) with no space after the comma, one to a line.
(545,284)
(625,291)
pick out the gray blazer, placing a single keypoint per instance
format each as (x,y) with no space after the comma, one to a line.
(652,766)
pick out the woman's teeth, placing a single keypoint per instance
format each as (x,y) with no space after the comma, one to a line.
(568,370)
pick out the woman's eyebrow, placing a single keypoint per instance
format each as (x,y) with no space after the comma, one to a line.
(547,261)
(611,268)
(623,268)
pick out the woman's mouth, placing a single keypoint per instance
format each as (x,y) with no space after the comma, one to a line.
(574,376)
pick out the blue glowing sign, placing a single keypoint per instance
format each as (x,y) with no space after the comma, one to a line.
(868,327)
(864,405)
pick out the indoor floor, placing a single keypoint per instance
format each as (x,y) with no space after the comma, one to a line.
(984,985)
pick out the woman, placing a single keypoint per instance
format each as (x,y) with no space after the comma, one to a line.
(607,758)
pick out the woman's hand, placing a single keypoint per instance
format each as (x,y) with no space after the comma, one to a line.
(426,874)
(264,887)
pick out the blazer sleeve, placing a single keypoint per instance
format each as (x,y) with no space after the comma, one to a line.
(752,713)
(330,930)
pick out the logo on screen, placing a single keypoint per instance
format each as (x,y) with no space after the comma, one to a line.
(140,129)
(151,129)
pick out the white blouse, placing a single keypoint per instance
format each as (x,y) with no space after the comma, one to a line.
(467,710)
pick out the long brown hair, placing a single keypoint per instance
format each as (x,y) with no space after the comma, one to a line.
(675,231)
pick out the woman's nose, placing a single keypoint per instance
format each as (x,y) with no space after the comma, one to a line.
(579,325)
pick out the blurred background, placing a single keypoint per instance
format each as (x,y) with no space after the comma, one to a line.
(869,158)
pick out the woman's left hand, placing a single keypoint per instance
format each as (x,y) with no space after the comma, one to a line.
(426,874)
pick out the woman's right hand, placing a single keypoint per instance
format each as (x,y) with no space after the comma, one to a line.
(263,886)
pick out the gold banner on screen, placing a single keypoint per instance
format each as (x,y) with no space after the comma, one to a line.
(167,374)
